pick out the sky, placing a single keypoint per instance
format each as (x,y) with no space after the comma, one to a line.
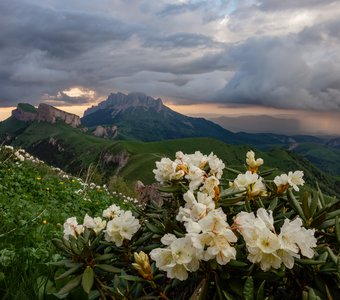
(207,58)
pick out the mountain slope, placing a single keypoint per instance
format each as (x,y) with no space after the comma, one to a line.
(141,117)
(73,150)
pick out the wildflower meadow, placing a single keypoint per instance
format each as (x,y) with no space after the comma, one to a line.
(218,233)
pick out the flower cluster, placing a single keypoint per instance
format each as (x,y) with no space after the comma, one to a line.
(208,236)
(283,181)
(120,225)
(21,155)
(269,249)
(202,172)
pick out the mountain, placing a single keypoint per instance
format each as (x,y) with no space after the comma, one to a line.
(140,117)
(44,113)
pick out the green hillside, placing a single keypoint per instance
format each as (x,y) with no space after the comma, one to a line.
(324,157)
(35,200)
(73,150)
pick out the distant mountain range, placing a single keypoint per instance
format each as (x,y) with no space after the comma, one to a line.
(139,117)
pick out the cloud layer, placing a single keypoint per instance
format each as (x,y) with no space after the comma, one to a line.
(282,54)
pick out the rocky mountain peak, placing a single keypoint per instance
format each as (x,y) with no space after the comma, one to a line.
(44,113)
(120,102)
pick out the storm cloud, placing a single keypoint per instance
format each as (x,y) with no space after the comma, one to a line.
(282,54)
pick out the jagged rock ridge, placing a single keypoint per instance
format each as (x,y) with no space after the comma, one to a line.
(121,102)
(45,113)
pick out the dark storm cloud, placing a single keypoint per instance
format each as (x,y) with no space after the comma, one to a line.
(273,72)
(272,53)
(40,48)
(181,40)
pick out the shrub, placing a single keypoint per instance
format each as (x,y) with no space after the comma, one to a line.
(211,239)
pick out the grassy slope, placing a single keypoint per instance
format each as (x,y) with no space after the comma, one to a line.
(34,201)
(78,150)
(11,126)
(324,157)
(144,156)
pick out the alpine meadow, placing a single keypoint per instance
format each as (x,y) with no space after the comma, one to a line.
(169,150)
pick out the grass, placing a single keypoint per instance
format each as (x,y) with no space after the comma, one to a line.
(35,200)
(74,151)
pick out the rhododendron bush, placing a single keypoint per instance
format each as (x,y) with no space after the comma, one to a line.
(253,235)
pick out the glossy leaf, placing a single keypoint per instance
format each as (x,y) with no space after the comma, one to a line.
(87,279)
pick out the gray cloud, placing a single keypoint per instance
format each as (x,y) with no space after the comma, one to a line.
(273,53)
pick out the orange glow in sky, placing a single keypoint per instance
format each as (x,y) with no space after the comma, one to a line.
(313,122)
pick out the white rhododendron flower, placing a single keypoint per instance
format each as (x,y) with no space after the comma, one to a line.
(195,209)
(295,179)
(112,211)
(251,183)
(283,181)
(121,227)
(216,166)
(269,249)
(71,227)
(210,186)
(195,177)
(293,237)
(167,171)
(215,239)
(253,164)
(97,224)
(178,258)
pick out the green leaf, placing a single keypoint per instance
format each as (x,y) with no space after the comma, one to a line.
(322,200)
(131,278)
(143,239)
(327,224)
(248,289)
(305,206)
(312,295)
(87,279)
(108,268)
(228,296)
(230,201)
(313,204)
(296,205)
(233,170)
(333,214)
(236,263)
(260,291)
(273,204)
(309,261)
(230,192)
(200,291)
(337,228)
(334,258)
(152,228)
(267,172)
(70,271)
(319,220)
(60,245)
(60,263)
(104,257)
(74,245)
(69,286)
